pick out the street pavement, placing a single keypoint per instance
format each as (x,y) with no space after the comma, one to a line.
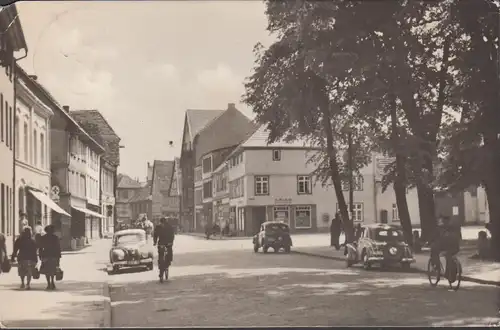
(79,300)
(235,287)
(224,283)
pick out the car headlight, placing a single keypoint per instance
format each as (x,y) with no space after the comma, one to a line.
(118,254)
(144,254)
(393,251)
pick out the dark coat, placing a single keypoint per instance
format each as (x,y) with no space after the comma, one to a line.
(50,246)
(25,249)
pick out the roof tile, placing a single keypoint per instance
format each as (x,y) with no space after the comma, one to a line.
(198,119)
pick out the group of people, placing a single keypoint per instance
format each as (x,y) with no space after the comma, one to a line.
(336,229)
(30,247)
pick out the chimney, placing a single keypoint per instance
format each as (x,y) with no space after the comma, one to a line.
(66,108)
(231,106)
(33,77)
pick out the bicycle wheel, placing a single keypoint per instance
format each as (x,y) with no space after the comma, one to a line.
(433,274)
(455,285)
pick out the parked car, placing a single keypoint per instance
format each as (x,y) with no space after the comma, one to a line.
(273,234)
(130,250)
(380,244)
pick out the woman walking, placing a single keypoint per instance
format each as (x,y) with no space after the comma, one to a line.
(25,251)
(50,253)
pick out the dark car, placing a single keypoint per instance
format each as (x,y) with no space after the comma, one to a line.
(273,234)
(130,249)
(380,244)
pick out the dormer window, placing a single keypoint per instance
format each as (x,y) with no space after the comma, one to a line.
(276,155)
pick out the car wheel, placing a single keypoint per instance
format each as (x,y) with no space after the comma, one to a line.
(265,248)
(287,249)
(366,264)
(256,248)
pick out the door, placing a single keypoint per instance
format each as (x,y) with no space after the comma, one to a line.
(383,216)
(259,217)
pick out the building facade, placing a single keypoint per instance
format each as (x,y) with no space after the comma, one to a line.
(141,204)
(163,204)
(100,130)
(126,189)
(75,174)
(12,41)
(32,155)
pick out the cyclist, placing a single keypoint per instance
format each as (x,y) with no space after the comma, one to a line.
(164,236)
(447,239)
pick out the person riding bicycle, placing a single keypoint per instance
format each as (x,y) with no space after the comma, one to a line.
(447,239)
(164,236)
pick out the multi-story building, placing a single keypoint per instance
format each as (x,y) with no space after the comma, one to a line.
(126,189)
(208,137)
(11,41)
(32,154)
(141,203)
(75,174)
(100,129)
(163,205)
(263,182)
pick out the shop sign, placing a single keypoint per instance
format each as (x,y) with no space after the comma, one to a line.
(54,194)
(282,201)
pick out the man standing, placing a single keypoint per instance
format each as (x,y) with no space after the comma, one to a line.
(335,229)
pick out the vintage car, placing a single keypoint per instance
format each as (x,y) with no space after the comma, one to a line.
(130,249)
(273,234)
(380,244)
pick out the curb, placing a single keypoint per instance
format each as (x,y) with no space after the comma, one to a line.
(231,238)
(416,270)
(106,321)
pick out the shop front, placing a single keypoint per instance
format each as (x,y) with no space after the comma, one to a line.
(95,221)
(85,222)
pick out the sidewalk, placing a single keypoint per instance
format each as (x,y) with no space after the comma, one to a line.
(473,270)
(217,237)
(81,299)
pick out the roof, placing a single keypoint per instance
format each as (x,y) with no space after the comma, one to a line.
(260,137)
(197,119)
(130,232)
(162,173)
(96,117)
(126,182)
(141,195)
(12,23)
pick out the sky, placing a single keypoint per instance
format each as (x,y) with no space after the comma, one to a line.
(142,64)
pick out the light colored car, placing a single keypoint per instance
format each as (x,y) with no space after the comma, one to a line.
(130,249)
(380,244)
(273,234)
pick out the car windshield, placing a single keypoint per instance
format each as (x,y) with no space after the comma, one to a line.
(275,227)
(129,239)
(386,235)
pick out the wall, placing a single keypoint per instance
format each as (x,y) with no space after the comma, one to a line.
(92,176)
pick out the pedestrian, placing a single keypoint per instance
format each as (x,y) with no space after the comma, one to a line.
(38,232)
(24,223)
(3,251)
(335,229)
(50,253)
(25,251)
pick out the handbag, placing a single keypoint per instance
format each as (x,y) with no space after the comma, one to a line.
(35,273)
(6,266)
(59,274)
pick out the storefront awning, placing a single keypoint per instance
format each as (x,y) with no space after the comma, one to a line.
(89,212)
(47,201)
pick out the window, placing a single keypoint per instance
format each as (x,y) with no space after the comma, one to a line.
(395,213)
(197,174)
(198,197)
(26,143)
(207,189)
(303,215)
(7,124)
(2,210)
(207,164)
(124,194)
(276,155)
(304,185)
(42,151)
(281,214)
(357,215)
(16,137)
(83,192)
(357,182)
(262,185)
(35,148)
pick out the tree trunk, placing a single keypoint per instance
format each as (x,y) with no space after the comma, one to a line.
(335,174)
(400,179)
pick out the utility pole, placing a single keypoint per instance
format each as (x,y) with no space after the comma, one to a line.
(350,169)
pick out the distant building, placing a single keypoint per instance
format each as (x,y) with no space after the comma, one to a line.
(141,203)
(99,128)
(163,205)
(209,136)
(12,40)
(126,189)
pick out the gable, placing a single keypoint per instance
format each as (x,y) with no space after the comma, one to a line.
(186,138)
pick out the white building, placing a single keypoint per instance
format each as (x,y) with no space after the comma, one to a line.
(11,41)
(32,156)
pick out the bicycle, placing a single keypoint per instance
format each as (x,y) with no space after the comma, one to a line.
(162,262)
(457,267)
